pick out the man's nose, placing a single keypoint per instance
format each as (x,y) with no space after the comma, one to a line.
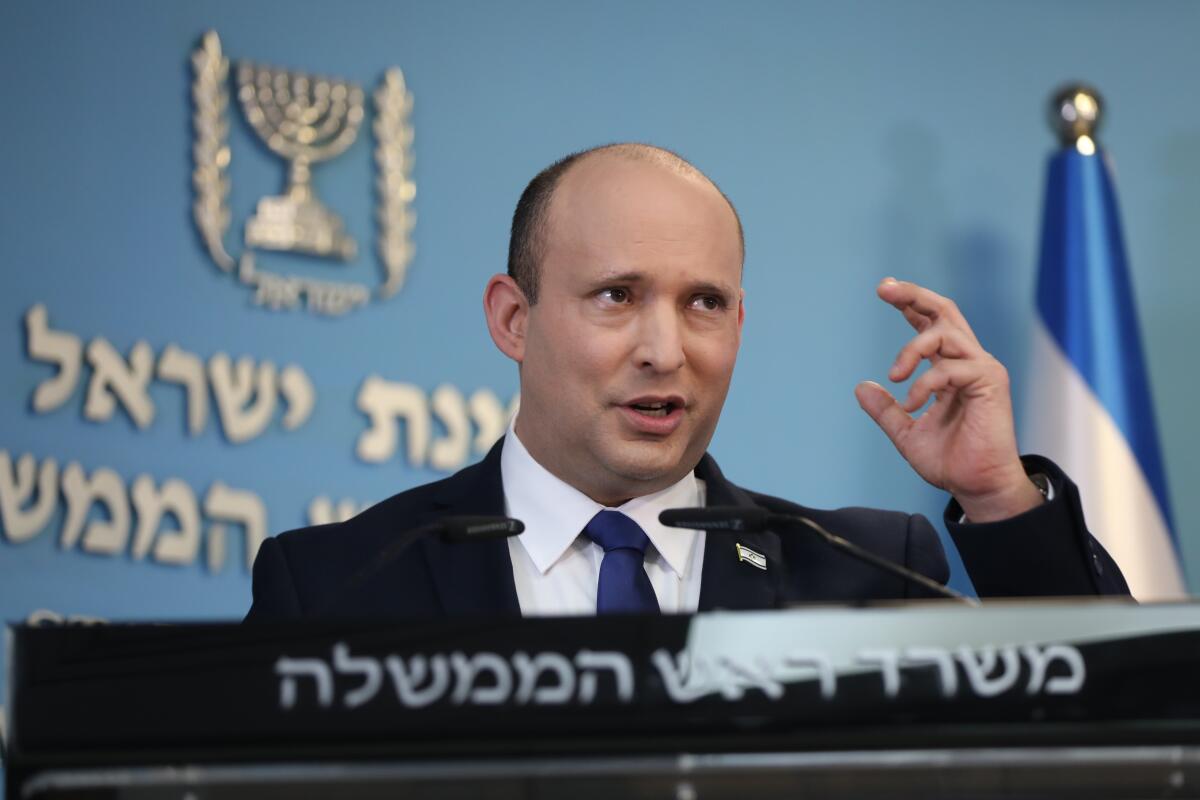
(660,338)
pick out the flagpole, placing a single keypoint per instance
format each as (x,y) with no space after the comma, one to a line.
(1088,401)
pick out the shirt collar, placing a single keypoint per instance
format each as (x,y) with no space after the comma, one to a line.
(555,513)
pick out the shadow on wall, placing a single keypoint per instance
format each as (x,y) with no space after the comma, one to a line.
(914,217)
(912,221)
(975,264)
(913,225)
(987,281)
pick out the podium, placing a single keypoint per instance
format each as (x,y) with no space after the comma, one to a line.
(1023,699)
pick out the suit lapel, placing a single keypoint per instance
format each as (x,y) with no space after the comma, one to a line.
(726,580)
(473,577)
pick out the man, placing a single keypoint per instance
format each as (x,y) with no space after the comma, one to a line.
(623,310)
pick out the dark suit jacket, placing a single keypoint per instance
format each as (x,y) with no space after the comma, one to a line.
(305,573)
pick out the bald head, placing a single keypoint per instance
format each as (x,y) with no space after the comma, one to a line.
(531,220)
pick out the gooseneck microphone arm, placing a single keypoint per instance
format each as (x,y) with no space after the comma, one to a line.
(736,519)
(885,564)
(450,529)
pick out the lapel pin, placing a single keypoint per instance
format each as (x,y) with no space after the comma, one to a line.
(751,557)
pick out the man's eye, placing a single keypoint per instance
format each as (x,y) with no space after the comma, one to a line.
(708,302)
(615,295)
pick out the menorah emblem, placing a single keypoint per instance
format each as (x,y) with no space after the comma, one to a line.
(305,120)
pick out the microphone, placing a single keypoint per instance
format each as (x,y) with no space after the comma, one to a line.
(717,518)
(464,528)
(450,529)
(750,519)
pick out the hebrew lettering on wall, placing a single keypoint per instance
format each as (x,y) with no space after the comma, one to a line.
(186,369)
(166,521)
(162,522)
(63,350)
(177,545)
(441,430)
(28,495)
(225,505)
(386,402)
(105,488)
(450,451)
(245,394)
(115,380)
(248,393)
(299,396)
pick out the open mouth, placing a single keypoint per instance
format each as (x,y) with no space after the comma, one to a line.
(654,409)
(654,416)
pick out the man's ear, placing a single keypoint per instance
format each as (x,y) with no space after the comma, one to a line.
(507,313)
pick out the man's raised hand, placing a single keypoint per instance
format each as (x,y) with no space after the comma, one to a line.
(965,441)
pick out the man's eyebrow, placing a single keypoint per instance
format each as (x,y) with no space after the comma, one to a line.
(619,277)
(714,288)
(699,287)
(637,277)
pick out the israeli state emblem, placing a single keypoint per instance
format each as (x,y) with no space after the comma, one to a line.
(305,120)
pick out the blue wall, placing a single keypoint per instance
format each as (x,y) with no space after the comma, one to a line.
(857,139)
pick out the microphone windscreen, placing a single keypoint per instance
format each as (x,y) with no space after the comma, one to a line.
(716,518)
(470,527)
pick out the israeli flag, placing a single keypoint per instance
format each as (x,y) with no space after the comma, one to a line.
(1090,408)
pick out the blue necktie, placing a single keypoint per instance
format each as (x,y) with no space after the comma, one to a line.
(624,585)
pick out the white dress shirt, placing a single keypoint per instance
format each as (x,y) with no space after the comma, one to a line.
(557,568)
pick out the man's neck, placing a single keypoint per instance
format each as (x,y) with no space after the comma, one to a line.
(608,499)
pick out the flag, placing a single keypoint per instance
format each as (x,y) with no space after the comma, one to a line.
(1089,401)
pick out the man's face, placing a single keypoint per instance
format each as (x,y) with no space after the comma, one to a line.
(629,350)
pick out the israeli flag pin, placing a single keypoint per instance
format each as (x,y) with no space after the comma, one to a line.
(751,557)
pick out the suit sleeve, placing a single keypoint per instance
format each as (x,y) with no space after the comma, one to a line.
(923,552)
(274,591)
(1044,552)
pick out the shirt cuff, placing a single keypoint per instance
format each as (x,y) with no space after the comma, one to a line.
(1039,479)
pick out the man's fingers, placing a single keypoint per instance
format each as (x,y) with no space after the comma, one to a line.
(903,294)
(919,321)
(939,341)
(883,408)
(956,374)
(912,299)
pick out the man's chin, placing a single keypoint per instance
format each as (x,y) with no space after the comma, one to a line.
(649,466)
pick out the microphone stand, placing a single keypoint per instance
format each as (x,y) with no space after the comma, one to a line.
(862,554)
(736,519)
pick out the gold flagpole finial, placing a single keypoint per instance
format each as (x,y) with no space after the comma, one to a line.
(1075,116)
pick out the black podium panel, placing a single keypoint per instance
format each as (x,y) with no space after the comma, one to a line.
(849,702)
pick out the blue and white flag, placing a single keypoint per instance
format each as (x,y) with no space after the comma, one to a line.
(1090,407)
